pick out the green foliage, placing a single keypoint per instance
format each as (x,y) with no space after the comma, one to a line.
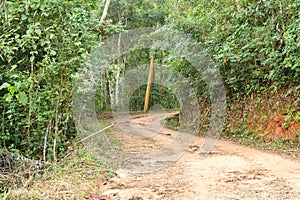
(135,14)
(297,117)
(42,44)
(172,122)
(255,43)
(158,95)
(129,14)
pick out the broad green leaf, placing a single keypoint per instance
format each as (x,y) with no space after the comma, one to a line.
(38,31)
(18,84)
(22,98)
(24,17)
(4,85)
(12,89)
(8,97)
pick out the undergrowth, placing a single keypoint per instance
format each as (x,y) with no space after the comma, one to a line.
(80,175)
(249,138)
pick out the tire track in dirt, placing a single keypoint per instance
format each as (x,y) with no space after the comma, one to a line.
(231,171)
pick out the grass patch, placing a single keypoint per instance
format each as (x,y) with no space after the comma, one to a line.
(78,176)
(172,122)
(282,145)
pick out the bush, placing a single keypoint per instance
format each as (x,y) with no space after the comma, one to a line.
(255,43)
(42,45)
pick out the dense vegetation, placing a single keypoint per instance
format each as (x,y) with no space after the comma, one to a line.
(255,43)
(43,44)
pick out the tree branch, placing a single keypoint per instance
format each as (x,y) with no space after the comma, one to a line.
(103,17)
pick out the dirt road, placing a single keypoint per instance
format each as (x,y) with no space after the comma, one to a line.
(231,171)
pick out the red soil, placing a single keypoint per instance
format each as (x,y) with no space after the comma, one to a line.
(277,127)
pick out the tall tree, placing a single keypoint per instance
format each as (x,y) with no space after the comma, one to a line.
(118,68)
(147,96)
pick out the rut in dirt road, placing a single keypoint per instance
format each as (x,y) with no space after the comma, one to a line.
(231,171)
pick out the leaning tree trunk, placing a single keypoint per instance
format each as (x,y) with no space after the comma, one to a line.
(147,96)
(103,17)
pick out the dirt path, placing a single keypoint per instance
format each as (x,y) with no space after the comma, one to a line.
(230,172)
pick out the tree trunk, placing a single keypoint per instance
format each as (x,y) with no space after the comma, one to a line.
(103,17)
(108,93)
(147,96)
(161,75)
(118,71)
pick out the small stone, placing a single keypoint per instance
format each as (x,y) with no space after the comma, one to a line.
(136,198)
